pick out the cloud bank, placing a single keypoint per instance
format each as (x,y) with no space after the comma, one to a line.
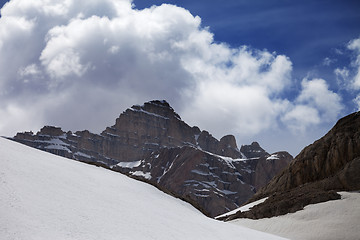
(78,64)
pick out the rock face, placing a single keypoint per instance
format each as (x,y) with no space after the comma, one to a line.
(324,158)
(330,164)
(152,143)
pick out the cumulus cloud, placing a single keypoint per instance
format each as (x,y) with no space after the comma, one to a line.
(239,91)
(78,64)
(354,45)
(314,104)
(348,77)
(342,75)
(357,102)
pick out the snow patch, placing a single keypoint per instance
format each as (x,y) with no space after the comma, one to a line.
(58,147)
(228,160)
(146,175)
(149,113)
(81,154)
(130,164)
(199,172)
(273,157)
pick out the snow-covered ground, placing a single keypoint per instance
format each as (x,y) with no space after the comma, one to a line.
(43,196)
(339,219)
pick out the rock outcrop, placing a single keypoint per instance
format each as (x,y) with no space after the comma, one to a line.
(323,159)
(152,143)
(330,164)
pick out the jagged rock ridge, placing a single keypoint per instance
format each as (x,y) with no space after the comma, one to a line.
(330,164)
(152,143)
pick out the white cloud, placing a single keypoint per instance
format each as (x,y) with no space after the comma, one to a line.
(316,93)
(83,62)
(237,91)
(314,104)
(354,45)
(342,74)
(301,117)
(357,102)
(328,61)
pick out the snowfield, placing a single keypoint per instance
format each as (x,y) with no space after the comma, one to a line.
(338,219)
(43,196)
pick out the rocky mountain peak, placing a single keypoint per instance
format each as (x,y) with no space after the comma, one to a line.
(51,131)
(161,108)
(228,141)
(253,150)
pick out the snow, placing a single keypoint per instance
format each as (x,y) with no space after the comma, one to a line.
(243,208)
(111,134)
(338,219)
(149,113)
(200,172)
(227,192)
(146,175)
(228,160)
(273,157)
(82,154)
(43,196)
(166,170)
(58,147)
(129,164)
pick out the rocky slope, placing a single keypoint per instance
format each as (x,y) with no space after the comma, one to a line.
(152,143)
(330,164)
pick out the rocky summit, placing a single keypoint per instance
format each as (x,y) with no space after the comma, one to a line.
(329,165)
(152,143)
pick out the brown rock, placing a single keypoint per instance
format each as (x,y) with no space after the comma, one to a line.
(268,166)
(322,159)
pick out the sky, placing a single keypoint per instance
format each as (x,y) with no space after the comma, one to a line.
(278,72)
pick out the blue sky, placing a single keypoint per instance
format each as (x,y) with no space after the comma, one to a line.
(306,31)
(279,72)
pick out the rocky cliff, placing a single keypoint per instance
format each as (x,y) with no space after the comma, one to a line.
(330,164)
(152,143)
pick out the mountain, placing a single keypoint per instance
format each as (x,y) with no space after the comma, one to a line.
(43,196)
(151,143)
(329,165)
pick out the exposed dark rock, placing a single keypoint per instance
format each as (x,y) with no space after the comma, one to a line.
(322,159)
(253,151)
(268,166)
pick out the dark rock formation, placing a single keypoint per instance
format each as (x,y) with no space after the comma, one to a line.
(268,166)
(152,143)
(253,151)
(330,164)
(324,158)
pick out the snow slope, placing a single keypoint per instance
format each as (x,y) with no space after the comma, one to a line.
(338,219)
(43,196)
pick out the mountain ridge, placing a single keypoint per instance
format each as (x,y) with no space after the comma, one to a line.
(151,143)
